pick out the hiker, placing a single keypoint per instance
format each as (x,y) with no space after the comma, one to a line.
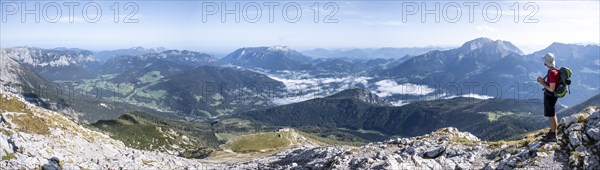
(550,82)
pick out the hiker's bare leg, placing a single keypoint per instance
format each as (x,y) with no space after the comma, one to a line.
(553,123)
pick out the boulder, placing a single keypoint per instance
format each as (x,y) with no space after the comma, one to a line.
(508,163)
(575,127)
(512,162)
(591,162)
(391,163)
(533,147)
(593,126)
(593,133)
(410,150)
(594,116)
(5,146)
(569,119)
(434,152)
(463,165)
(490,166)
(418,161)
(574,139)
(453,153)
(380,154)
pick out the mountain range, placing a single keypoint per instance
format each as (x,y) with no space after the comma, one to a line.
(460,64)
(19,79)
(370,53)
(181,57)
(146,106)
(483,66)
(103,56)
(272,58)
(55,64)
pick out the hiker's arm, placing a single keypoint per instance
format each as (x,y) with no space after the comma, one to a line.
(550,87)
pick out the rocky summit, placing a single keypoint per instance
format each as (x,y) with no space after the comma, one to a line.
(33,137)
(448,148)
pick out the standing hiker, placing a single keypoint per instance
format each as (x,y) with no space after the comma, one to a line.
(550,82)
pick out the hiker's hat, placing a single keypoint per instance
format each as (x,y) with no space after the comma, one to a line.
(549,59)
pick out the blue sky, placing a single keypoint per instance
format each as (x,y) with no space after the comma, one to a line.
(360,24)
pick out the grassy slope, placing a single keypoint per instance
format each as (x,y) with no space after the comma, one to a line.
(25,121)
(144,131)
(260,142)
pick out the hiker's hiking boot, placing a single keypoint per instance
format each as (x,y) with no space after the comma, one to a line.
(549,137)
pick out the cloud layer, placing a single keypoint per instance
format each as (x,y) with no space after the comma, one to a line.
(387,88)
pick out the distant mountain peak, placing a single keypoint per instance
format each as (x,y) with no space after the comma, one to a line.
(476,43)
(138,48)
(572,44)
(561,45)
(148,50)
(279,48)
(262,49)
(276,57)
(360,94)
(489,44)
(175,52)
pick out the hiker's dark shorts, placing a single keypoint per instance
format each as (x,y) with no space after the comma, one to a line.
(549,105)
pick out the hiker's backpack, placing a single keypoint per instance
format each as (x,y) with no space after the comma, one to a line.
(564,81)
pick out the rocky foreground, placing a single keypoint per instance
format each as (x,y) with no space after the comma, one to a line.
(578,147)
(30,136)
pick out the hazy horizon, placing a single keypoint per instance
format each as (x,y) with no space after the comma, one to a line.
(526,50)
(200,26)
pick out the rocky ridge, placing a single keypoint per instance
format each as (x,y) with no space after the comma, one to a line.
(30,136)
(577,148)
